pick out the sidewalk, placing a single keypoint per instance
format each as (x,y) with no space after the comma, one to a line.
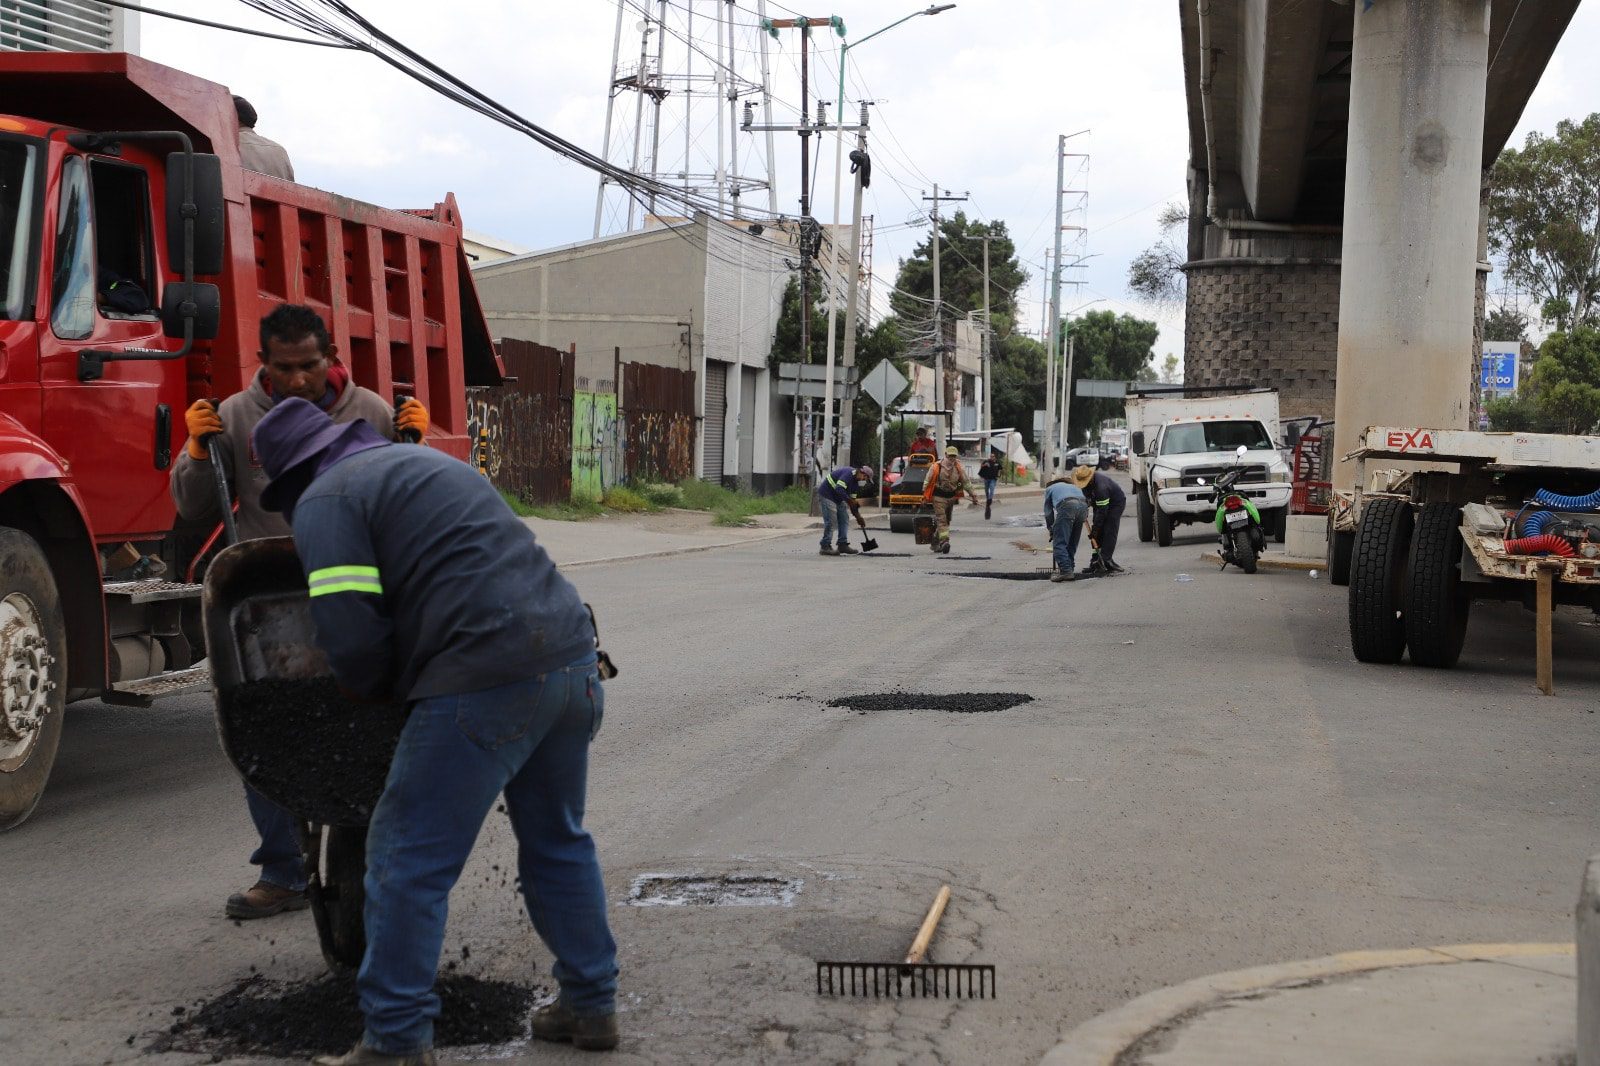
(614,538)
(1470,1005)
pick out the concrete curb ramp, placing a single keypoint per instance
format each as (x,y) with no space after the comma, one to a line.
(1271,562)
(1103,1040)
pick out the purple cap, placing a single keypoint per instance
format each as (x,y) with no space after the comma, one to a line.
(296,432)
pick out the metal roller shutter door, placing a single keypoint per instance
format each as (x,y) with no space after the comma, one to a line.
(716,419)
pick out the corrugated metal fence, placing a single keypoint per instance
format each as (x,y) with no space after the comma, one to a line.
(658,423)
(521,431)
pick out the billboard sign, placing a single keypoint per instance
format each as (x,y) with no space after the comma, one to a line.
(1499,373)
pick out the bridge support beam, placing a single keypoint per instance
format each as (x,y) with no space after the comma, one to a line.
(1410,246)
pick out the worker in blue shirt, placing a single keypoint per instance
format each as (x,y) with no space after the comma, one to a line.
(1065,507)
(837,498)
(425,588)
(1107,502)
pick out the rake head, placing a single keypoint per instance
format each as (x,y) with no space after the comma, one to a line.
(898,980)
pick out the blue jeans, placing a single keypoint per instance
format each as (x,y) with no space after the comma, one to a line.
(835,515)
(278,855)
(988,489)
(457,754)
(1065,530)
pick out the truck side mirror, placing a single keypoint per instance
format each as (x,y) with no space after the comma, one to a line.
(197,300)
(209,216)
(1292,432)
(1136,442)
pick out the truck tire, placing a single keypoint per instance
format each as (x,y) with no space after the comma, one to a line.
(1280,525)
(1163,526)
(33,667)
(1436,605)
(1147,524)
(1340,546)
(341,898)
(1378,581)
(1244,551)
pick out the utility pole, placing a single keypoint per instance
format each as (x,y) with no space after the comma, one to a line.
(862,168)
(940,386)
(1047,444)
(988,422)
(1066,393)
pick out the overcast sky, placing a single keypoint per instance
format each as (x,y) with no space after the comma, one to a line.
(972,99)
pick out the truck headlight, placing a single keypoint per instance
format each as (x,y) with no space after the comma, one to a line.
(1170,483)
(1278,476)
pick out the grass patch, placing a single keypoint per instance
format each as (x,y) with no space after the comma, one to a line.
(574,510)
(662,495)
(627,501)
(736,508)
(728,507)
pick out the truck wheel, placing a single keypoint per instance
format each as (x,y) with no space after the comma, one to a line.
(902,522)
(342,898)
(1436,604)
(1244,551)
(33,649)
(1163,525)
(1280,525)
(1340,546)
(1147,521)
(1378,581)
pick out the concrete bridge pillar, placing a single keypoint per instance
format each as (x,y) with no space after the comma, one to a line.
(1410,245)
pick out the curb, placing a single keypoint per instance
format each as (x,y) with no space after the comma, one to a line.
(1102,1040)
(1273,562)
(777,535)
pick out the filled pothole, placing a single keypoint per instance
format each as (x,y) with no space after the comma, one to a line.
(262,1017)
(950,702)
(719,890)
(999,575)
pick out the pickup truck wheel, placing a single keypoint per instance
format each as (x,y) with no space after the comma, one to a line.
(1147,524)
(1378,581)
(1280,525)
(1163,523)
(1436,604)
(33,649)
(1340,546)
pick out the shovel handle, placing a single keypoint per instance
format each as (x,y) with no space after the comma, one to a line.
(919,946)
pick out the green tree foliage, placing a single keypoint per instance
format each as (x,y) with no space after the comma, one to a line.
(1018,381)
(1516,413)
(1544,220)
(1505,324)
(1156,274)
(1107,347)
(1566,380)
(961,272)
(786,339)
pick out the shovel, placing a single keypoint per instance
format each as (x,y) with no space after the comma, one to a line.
(912,977)
(867,543)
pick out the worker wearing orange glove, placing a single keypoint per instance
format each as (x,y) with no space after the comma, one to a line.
(297,359)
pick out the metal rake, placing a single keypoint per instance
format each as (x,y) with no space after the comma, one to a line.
(910,978)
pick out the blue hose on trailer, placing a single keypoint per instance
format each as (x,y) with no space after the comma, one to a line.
(1537,523)
(1546,498)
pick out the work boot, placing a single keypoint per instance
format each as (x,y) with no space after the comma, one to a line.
(1058,577)
(597,1032)
(845,549)
(1115,568)
(362,1055)
(264,899)
(827,551)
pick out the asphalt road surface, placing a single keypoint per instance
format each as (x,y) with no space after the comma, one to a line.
(1205,780)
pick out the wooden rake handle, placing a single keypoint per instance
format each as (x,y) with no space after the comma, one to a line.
(919,946)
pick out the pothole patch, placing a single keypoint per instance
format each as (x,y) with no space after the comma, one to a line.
(998,575)
(713,890)
(1023,520)
(950,702)
(259,1017)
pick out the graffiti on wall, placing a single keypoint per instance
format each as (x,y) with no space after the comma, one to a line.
(521,432)
(594,443)
(658,423)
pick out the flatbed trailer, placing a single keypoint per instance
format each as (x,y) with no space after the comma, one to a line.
(1490,516)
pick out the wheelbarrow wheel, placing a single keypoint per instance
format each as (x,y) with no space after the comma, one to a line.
(338,898)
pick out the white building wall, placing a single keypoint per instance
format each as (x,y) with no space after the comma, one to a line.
(66,26)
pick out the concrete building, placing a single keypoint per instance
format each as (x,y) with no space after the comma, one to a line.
(694,295)
(482,248)
(67,26)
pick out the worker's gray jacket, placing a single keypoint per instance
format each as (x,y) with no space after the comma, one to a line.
(423,583)
(264,155)
(194,486)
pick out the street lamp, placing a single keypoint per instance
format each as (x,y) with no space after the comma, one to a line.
(833,245)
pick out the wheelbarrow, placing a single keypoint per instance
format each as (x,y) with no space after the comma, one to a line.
(291,734)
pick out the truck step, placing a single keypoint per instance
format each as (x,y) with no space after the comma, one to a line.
(151,591)
(142,692)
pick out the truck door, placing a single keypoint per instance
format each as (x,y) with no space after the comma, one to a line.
(118,432)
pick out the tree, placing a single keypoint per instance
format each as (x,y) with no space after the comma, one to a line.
(1156,274)
(960,272)
(1171,370)
(1018,380)
(1544,220)
(1109,347)
(1566,380)
(1516,413)
(1505,324)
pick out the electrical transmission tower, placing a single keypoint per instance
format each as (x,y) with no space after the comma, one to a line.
(681,75)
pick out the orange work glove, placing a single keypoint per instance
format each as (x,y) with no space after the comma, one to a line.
(411,417)
(203,420)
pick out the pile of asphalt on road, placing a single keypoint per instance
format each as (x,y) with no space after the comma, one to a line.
(307,747)
(998,575)
(261,1017)
(951,702)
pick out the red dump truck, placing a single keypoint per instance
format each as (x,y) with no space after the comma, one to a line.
(128,170)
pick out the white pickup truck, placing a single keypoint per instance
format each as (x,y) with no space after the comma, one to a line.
(1181,443)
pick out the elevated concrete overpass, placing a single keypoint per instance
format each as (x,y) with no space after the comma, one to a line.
(1315,123)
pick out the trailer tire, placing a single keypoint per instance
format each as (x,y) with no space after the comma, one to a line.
(1147,525)
(902,522)
(1340,546)
(342,898)
(1378,581)
(1163,523)
(1436,606)
(33,672)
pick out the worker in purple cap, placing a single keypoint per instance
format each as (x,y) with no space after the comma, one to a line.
(469,622)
